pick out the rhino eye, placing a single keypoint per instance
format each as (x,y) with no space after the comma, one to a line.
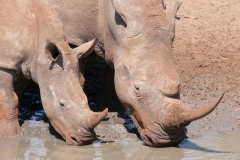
(137,88)
(137,91)
(61,104)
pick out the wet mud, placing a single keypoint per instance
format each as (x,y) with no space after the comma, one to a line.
(36,143)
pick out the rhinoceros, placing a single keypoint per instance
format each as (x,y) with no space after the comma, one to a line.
(135,39)
(33,47)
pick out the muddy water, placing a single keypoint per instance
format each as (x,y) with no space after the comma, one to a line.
(36,143)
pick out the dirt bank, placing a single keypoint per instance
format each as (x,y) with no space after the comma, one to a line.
(207,58)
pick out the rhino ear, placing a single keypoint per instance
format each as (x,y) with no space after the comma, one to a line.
(52,51)
(85,49)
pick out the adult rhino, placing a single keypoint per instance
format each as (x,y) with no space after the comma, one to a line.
(33,47)
(135,39)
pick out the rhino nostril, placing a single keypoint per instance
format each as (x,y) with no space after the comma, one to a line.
(150,139)
(175,96)
(146,139)
(73,138)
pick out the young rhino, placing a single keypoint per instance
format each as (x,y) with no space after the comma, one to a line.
(33,47)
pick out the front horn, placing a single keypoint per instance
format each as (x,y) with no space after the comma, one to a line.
(187,115)
(94,118)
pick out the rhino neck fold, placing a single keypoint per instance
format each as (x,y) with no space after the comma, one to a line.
(33,68)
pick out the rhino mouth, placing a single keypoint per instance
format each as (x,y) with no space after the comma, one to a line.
(162,138)
(80,138)
(154,134)
(77,138)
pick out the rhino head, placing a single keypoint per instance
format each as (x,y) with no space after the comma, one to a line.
(61,88)
(146,81)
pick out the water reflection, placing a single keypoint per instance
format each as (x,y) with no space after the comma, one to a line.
(37,143)
(9,147)
(213,146)
(36,148)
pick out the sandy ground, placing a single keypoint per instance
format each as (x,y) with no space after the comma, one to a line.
(207,58)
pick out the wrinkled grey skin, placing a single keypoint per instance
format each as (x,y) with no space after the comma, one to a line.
(135,39)
(33,47)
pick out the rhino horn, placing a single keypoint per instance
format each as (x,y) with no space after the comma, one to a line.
(188,115)
(94,118)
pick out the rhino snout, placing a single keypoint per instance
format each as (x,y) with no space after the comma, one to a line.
(161,138)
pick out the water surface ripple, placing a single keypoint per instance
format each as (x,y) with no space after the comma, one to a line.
(36,143)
